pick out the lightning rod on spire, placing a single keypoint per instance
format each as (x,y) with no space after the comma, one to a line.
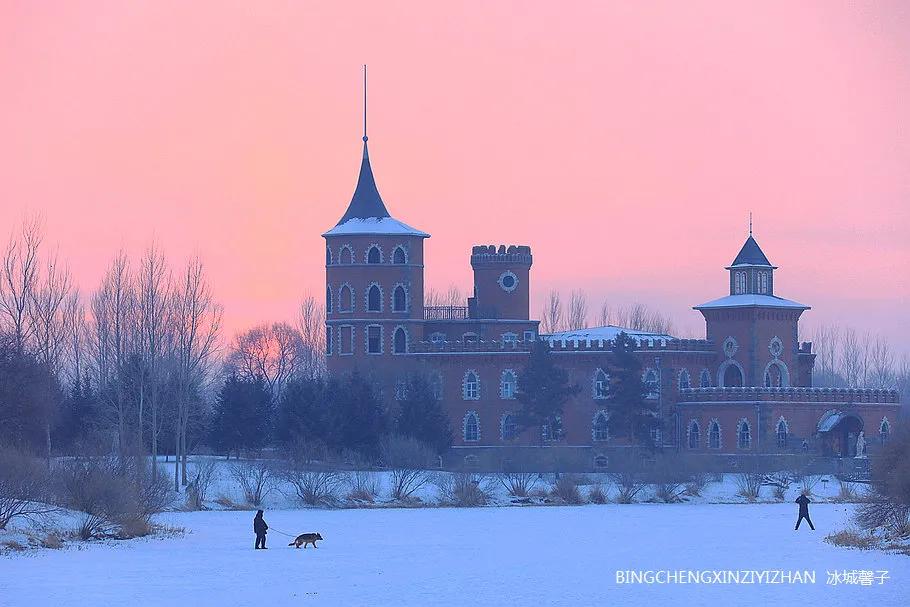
(364,102)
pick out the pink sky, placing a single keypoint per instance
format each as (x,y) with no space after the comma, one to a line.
(626,142)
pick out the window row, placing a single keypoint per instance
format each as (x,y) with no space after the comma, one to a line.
(761,282)
(508,385)
(398,300)
(438,337)
(344,343)
(373,254)
(713,440)
(550,431)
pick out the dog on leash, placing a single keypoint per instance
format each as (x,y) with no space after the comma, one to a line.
(304,539)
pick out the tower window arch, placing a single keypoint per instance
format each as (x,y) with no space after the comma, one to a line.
(783,433)
(714,435)
(328,256)
(508,384)
(652,384)
(551,430)
(685,381)
(345,299)
(705,379)
(399,255)
(399,299)
(471,427)
(776,375)
(346,255)
(508,427)
(400,341)
(693,433)
(374,254)
(374,298)
(470,386)
(743,434)
(600,430)
(600,388)
(328,299)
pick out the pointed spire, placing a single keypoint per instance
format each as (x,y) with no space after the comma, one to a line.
(366,201)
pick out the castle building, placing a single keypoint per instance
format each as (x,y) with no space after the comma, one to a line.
(745,389)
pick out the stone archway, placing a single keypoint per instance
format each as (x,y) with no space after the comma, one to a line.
(731,374)
(838,432)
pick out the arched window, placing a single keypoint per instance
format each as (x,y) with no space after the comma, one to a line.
(773,377)
(346,299)
(508,428)
(400,341)
(705,379)
(508,384)
(764,282)
(601,461)
(685,382)
(714,435)
(601,428)
(328,299)
(399,299)
(739,280)
(374,255)
(436,385)
(328,341)
(551,430)
(471,427)
(651,383)
(733,377)
(328,256)
(345,256)
(884,430)
(783,432)
(743,435)
(374,299)
(693,432)
(399,256)
(470,388)
(601,386)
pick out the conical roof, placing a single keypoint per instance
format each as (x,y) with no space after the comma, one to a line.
(751,255)
(366,202)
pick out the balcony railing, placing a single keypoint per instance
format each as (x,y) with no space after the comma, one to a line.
(445,313)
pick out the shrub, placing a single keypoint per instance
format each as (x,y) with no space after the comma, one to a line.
(852,539)
(52,540)
(780,481)
(597,494)
(847,491)
(24,488)
(362,485)
(203,478)
(314,487)
(518,484)
(696,484)
(256,479)
(463,489)
(887,504)
(409,462)
(566,489)
(111,492)
(749,485)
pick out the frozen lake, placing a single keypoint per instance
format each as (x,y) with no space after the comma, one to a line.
(448,556)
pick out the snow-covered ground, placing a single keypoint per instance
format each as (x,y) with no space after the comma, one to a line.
(451,556)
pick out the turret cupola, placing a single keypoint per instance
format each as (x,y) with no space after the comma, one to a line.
(751,272)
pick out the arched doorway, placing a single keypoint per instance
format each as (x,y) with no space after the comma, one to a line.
(838,432)
(733,377)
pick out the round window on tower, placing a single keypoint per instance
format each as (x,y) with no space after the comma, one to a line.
(508,281)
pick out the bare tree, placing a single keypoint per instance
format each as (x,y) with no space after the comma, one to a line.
(311,324)
(551,318)
(20,282)
(153,286)
(605,317)
(578,311)
(273,353)
(881,364)
(452,296)
(851,358)
(196,321)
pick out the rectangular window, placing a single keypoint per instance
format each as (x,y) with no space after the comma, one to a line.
(374,339)
(529,336)
(328,341)
(346,340)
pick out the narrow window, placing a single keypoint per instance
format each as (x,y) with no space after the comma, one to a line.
(345,257)
(374,299)
(399,300)
(471,386)
(694,432)
(400,341)
(509,427)
(601,384)
(374,339)
(507,385)
(399,257)
(373,255)
(743,435)
(782,432)
(471,428)
(601,429)
(714,436)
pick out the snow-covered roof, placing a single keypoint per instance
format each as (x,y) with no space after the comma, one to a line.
(748,300)
(608,332)
(375,225)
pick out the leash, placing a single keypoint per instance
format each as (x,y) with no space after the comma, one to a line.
(281,532)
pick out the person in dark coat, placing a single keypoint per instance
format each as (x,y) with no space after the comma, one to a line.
(803,502)
(260,529)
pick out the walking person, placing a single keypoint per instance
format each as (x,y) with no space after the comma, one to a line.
(260,528)
(803,502)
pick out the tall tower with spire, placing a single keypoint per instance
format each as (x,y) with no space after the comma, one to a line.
(374,281)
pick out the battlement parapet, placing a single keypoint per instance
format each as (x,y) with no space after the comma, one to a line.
(486,254)
(847,396)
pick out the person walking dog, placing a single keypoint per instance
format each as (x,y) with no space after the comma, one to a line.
(260,528)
